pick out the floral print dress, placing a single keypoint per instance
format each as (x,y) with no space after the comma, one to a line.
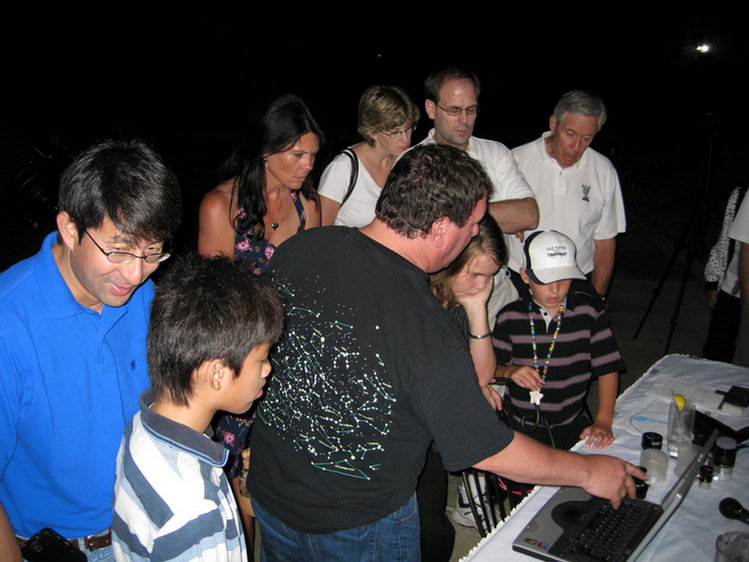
(234,431)
(259,251)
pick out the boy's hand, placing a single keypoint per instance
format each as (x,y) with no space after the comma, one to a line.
(599,435)
(526,377)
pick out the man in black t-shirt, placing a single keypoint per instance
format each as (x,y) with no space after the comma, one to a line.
(371,369)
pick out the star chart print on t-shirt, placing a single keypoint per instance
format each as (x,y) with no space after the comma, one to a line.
(327,392)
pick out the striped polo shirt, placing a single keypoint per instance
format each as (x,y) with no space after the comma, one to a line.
(585,349)
(172,500)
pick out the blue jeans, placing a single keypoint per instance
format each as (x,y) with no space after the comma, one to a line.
(101,555)
(394,538)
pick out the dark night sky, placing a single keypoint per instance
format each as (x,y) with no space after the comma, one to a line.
(201,73)
(187,82)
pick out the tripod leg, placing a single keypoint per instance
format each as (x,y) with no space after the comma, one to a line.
(677,248)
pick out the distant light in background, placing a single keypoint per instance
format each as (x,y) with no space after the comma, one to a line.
(703,48)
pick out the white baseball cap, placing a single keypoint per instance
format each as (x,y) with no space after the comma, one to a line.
(550,256)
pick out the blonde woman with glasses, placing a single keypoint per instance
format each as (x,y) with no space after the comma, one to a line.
(351,183)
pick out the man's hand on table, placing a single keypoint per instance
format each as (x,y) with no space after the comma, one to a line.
(611,478)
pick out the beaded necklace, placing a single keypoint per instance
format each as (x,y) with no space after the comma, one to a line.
(536,394)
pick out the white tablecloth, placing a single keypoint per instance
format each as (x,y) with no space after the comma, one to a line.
(691,532)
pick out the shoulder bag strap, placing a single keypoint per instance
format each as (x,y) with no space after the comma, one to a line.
(354,172)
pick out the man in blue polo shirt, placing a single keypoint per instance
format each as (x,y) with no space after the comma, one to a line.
(73,322)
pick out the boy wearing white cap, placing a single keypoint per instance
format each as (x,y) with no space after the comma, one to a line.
(550,344)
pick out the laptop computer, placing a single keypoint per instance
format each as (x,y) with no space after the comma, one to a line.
(576,526)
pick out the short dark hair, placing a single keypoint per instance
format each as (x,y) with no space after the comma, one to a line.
(127,181)
(205,309)
(429,182)
(434,81)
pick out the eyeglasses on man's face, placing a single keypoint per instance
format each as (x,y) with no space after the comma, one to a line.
(454,110)
(119,258)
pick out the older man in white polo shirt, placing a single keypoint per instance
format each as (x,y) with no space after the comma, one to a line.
(577,188)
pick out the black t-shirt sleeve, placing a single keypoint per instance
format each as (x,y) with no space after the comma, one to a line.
(447,399)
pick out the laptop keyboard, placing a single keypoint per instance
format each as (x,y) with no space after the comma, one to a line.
(612,534)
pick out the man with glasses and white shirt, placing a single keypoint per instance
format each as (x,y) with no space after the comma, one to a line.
(73,323)
(452,103)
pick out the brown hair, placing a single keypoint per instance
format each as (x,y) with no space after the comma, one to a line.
(429,182)
(488,241)
(434,81)
(382,108)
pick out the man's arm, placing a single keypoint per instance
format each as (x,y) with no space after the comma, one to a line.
(603,264)
(527,460)
(515,215)
(8,546)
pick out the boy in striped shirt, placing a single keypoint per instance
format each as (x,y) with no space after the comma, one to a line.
(550,344)
(211,326)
